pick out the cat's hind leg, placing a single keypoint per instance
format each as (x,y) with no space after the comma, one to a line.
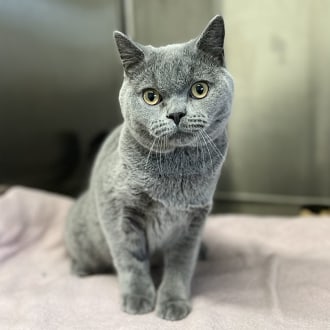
(85,241)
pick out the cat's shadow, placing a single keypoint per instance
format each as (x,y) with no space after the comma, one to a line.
(232,276)
(244,274)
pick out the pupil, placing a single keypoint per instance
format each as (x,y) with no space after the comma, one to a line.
(199,89)
(151,96)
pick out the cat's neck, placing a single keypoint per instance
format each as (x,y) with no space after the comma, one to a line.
(205,157)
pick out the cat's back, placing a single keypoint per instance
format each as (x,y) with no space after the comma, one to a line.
(107,155)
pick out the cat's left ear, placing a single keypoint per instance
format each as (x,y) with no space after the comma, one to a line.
(212,39)
(131,54)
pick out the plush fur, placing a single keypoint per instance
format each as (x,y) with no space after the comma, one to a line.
(153,181)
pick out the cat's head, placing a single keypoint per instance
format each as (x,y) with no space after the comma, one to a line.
(177,92)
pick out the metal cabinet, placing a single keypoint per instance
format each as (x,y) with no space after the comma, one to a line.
(59,82)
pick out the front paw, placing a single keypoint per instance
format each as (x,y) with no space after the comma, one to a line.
(135,304)
(173,310)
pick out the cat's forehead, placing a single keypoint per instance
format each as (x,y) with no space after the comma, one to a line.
(171,68)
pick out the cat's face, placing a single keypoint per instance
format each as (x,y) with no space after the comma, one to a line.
(179,94)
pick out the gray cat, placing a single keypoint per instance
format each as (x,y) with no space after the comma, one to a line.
(153,181)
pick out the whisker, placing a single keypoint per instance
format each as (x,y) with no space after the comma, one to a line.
(156,150)
(166,145)
(208,150)
(212,144)
(196,138)
(202,149)
(197,147)
(165,150)
(146,164)
(160,154)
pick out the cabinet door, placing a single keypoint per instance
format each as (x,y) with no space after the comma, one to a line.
(59,81)
(279,55)
(320,81)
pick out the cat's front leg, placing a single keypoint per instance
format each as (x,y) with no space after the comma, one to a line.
(128,245)
(173,301)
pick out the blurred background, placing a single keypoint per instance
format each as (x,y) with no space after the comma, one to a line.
(60,76)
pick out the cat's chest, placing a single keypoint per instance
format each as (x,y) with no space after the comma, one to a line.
(165,226)
(181,192)
(180,180)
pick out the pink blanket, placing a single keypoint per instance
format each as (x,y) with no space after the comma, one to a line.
(261,273)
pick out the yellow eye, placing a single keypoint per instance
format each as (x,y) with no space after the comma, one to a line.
(199,90)
(151,96)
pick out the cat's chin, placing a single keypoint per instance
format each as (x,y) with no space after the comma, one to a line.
(171,138)
(182,138)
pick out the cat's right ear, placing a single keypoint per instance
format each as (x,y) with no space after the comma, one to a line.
(130,53)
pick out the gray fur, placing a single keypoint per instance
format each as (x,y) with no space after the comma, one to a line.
(152,184)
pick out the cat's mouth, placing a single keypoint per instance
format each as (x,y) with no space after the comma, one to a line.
(187,127)
(181,134)
(171,135)
(177,133)
(182,137)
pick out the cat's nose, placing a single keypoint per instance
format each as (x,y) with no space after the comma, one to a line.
(176,117)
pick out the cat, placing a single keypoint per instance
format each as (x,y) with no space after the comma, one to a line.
(153,180)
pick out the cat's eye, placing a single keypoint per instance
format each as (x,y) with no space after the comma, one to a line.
(151,96)
(199,90)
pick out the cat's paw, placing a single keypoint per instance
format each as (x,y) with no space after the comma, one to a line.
(173,310)
(134,304)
